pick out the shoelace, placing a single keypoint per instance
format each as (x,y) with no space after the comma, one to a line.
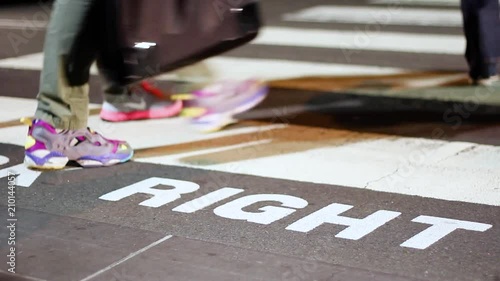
(148,87)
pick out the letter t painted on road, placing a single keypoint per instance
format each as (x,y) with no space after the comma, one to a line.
(439,229)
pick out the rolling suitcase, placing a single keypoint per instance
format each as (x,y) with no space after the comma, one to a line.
(146,38)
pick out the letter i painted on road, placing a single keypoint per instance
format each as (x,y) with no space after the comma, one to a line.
(207,200)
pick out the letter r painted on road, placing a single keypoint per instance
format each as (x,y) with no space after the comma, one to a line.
(269,214)
(3,160)
(160,196)
(25,176)
(439,229)
(357,228)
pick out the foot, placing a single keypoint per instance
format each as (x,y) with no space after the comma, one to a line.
(142,102)
(215,106)
(48,148)
(490,81)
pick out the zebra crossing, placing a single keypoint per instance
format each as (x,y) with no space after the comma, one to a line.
(414,166)
(368,29)
(322,181)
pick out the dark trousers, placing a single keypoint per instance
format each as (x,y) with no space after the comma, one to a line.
(482,31)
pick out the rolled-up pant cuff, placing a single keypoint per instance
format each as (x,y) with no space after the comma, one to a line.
(71,112)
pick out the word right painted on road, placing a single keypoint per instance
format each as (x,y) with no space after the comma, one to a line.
(356,228)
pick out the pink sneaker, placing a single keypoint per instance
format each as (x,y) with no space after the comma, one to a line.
(143,102)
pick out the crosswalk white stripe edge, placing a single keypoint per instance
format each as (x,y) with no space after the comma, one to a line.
(363,40)
(378,16)
(446,3)
(238,68)
(369,38)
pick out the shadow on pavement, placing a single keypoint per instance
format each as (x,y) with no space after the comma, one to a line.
(427,105)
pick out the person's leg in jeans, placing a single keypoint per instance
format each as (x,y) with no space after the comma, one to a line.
(59,132)
(482,31)
(60,104)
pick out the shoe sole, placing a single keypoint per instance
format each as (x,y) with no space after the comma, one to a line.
(53,163)
(91,163)
(166,112)
(59,163)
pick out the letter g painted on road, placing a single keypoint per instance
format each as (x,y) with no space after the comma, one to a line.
(269,214)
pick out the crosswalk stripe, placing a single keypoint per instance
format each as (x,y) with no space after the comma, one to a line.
(397,165)
(393,164)
(371,38)
(269,69)
(446,3)
(23,24)
(16,108)
(393,15)
(238,68)
(362,40)
(348,42)
(378,16)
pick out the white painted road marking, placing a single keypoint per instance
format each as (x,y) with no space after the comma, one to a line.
(239,68)
(449,3)
(402,165)
(207,200)
(355,164)
(24,24)
(267,214)
(127,258)
(363,40)
(410,166)
(356,228)
(3,160)
(25,177)
(269,69)
(17,108)
(440,228)
(160,196)
(392,15)
(378,16)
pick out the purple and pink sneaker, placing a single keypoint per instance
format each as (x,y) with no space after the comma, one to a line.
(48,148)
(215,107)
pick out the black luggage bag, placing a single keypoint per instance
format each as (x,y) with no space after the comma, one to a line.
(145,38)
